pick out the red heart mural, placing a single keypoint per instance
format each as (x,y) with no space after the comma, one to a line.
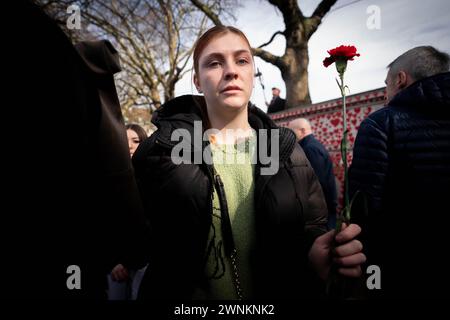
(335,122)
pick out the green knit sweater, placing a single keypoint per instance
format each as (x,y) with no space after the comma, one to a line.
(234,165)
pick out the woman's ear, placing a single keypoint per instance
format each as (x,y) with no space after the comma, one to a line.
(197,83)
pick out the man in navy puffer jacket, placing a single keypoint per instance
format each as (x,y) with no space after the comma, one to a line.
(401,164)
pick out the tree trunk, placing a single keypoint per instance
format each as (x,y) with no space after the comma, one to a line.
(295,77)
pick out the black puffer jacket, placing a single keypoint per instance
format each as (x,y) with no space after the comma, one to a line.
(402,163)
(290,209)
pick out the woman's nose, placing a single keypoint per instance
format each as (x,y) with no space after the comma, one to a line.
(230,72)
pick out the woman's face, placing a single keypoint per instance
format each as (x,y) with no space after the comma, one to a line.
(133,141)
(225,72)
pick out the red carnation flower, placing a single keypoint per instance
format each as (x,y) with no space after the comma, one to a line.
(344,53)
(328,61)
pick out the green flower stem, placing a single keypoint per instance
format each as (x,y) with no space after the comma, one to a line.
(344,216)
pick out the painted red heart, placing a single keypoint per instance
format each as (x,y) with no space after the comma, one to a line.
(335,122)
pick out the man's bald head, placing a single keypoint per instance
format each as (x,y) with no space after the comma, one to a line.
(301,127)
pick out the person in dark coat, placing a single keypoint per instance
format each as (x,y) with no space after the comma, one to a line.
(321,162)
(401,163)
(239,228)
(277,103)
(71,183)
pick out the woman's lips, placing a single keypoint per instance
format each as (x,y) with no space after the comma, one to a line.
(232,89)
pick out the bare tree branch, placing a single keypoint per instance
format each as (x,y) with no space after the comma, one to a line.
(291,12)
(185,72)
(269,57)
(208,12)
(323,8)
(312,23)
(271,39)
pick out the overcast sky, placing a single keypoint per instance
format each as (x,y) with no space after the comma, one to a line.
(404,24)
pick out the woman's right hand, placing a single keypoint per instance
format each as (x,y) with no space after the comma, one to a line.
(119,273)
(347,254)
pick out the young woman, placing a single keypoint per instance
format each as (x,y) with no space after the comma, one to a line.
(227,229)
(135,134)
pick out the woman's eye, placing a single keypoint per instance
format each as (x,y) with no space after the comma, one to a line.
(136,141)
(242,61)
(214,64)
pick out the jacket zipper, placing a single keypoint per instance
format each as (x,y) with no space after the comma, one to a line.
(227,233)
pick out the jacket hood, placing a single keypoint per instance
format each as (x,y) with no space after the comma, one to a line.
(100,57)
(432,94)
(183,111)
